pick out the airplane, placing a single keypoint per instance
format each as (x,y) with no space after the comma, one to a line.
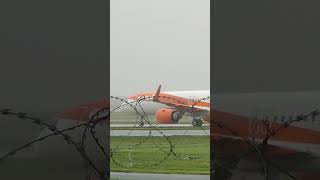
(285,124)
(282,128)
(170,106)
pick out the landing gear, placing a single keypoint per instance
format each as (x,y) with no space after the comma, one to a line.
(196,122)
(140,121)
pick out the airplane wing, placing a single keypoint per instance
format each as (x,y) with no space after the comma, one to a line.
(229,124)
(180,102)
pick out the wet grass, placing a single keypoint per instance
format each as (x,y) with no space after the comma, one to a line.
(150,154)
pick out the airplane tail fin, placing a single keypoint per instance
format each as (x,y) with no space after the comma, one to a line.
(157,94)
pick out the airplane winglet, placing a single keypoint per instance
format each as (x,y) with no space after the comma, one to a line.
(157,94)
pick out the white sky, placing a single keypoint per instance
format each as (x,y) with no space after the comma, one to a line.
(159,42)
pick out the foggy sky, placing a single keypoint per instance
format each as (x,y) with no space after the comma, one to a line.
(54,53)
(159,42)
(267,45)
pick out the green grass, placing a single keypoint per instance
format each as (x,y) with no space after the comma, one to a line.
(149,155)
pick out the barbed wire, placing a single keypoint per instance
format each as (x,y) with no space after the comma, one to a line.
(90,127)
(169,149)
(78,146)
(257,147)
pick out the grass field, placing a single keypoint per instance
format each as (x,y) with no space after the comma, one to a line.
(141,154)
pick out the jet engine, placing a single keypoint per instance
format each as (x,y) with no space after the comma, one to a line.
(168,116)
